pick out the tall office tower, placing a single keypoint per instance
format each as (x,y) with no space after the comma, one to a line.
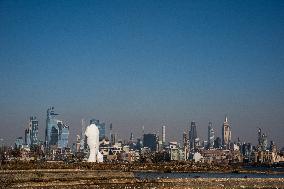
(83,137)
(110,132)
(246,150)
(150,141)
(164,134)
(131,137)
(226,134)
(262,141)
(78,144)
(139,144)
(101,127)
(211,136)
(51,130)
(33,125)
(63,134)
(56,132)
(28,137)
(31,133)
(113,138)
(259,136)
(185,145)
(192,135)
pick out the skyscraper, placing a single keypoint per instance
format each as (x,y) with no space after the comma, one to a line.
(83,144)
(51,130)
(211,136)
(56,132)
(113,138)
(31,133)
(262,141)
(185,145)
(150,141)
(164,134)
(192,135)
(226,134)
(34,130)
(63,134)
(131,137)
(28,137)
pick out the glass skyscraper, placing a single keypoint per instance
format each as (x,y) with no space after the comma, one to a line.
(192,135)
(27,137)
(63,135)
(31,133)
(56,132)
(211,136)
(34,130)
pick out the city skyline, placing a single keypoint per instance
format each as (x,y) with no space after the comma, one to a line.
(55,131)
(139,63)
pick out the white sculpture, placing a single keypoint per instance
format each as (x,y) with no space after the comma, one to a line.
(92,133)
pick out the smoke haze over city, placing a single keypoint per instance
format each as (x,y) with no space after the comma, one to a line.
(143,63)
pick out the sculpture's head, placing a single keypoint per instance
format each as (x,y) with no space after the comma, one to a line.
(92,132)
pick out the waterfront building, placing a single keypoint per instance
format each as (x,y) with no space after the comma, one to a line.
(150,141)
(267,157)
(219,156)
(226,134)
(211,136)
(101,127)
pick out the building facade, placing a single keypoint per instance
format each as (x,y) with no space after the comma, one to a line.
(150,141)
(262,141)
(19,142)
(164,134)
(31,133)
(193,136)
(226,134)
(211,136)
(56,132)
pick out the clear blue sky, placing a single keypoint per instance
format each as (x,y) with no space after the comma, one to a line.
(148,63)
